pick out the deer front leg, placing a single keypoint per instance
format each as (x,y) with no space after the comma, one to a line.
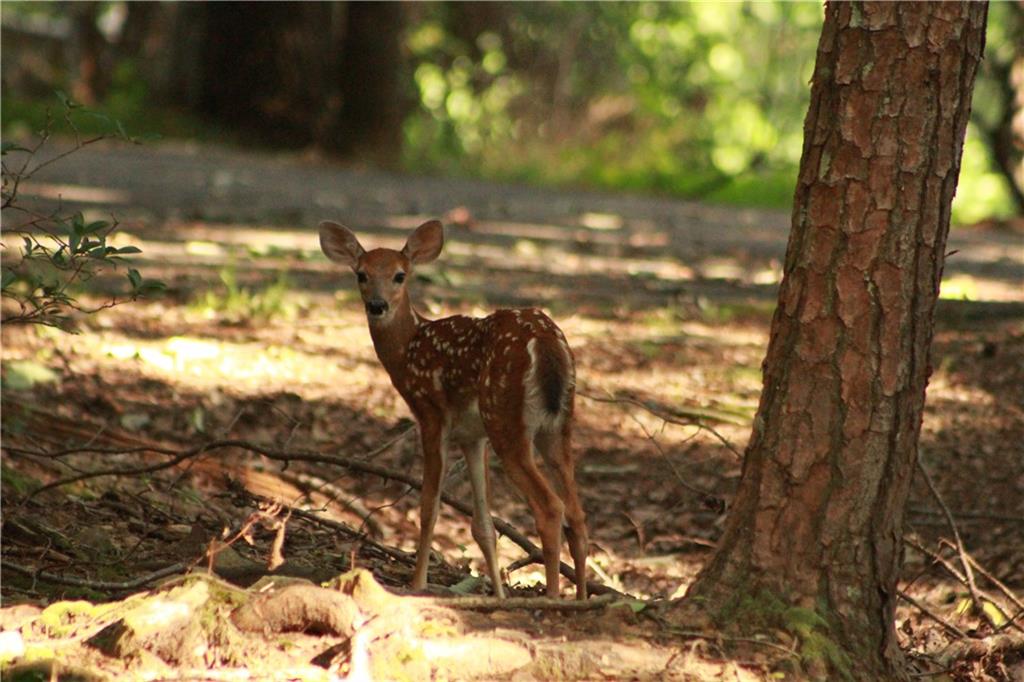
(431,437)
(483,526)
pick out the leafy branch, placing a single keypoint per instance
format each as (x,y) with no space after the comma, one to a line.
(58,250)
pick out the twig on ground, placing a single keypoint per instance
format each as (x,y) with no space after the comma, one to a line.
(396,554)
(939,559)
(717,638)
(309,484)
(525,603)
(948,627)
(696,416)
(366,467)
(978,648)
(968,572)
(105,585)
(974,516)
(704,494)
(1007,592)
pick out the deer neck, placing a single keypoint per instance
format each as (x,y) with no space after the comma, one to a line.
(391,337)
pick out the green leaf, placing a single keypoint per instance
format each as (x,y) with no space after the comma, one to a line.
(97,225)
(101,251)
(135,278)
(152,286)
(127,249)
(7,278)
(78,222)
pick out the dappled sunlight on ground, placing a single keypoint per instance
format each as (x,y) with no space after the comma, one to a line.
(667,308)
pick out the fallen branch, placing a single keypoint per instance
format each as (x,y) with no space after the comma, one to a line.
(396,554)
(1007,592)
(939,559)
(717,638)
(973,516)
(948,627)
(707,497)
(695,416)
(677,411)
(310,484)
(978,648)
(972,588)
(105,585)
(524,603)
(354,464)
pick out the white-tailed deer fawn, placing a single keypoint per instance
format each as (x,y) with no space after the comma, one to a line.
(508,378)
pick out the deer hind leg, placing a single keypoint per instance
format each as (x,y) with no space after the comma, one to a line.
(516,454)
(434,456)
(483,526)
(556,448)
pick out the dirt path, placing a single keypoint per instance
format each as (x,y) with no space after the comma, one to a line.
(716,246)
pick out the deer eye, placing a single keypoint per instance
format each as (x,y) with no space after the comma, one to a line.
(361,276)
(399,277)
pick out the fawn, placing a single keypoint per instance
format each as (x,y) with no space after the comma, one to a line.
(508,378)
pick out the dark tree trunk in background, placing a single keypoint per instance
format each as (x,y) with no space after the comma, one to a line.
(374,97)
(170,52)
(1004,137)
(818,518)
(265,66)
(86,48)
(296,73)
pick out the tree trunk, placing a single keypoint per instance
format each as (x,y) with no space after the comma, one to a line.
(813,541)
(267,65)
(86,48)
(372,83)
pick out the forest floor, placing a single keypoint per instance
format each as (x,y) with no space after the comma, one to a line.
(244,422)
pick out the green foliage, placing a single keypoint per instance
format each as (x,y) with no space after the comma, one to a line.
(763,610)
(687,99)
(242,304)
(698,100)
(59,251)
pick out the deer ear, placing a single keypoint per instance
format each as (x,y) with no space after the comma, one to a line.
(339,244)
(424,245)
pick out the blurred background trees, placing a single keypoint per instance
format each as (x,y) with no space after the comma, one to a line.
(697,100)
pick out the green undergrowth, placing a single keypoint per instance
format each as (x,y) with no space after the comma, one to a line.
(238,303)
(763,610)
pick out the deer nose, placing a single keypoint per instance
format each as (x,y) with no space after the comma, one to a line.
(376,307)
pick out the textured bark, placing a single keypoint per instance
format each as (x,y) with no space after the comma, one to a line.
(818,517)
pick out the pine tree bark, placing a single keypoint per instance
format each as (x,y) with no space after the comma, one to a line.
(818,517)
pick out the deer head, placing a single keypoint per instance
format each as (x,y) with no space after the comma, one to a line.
(383,274)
